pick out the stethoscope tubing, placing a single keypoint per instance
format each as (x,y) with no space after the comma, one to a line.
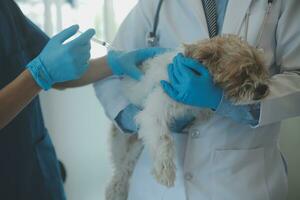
(262,29)
(152,38)
(156,18)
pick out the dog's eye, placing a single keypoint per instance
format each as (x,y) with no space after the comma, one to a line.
(247,86)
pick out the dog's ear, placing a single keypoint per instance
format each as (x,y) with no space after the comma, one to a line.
(203,51)
(189,50)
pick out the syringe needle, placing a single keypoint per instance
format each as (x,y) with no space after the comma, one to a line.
(103,43)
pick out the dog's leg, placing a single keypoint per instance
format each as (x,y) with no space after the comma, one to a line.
(125,151)
(154,131)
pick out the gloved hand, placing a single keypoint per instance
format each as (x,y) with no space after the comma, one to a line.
(125,120)
(127,62)
(59,62)
(191,84)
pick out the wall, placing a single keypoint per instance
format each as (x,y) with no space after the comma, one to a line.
(79,130)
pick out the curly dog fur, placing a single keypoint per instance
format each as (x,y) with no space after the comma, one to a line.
(236,67)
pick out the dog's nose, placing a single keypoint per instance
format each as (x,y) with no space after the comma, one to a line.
(261,91)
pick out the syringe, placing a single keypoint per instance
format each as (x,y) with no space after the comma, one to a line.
(98,41)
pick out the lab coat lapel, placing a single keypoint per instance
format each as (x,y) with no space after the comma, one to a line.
(235,13)
(200,14)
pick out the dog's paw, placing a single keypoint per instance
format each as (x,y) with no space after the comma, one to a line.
(116,190)
(164,172)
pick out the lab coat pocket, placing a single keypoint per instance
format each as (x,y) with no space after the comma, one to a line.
(239,174)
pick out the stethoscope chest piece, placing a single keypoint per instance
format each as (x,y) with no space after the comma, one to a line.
(152,39)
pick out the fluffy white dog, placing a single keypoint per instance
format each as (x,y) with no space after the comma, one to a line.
(236,67)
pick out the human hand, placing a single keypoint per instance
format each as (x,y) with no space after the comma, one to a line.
(126,121)
(59,61)
(191,84)
(127,62)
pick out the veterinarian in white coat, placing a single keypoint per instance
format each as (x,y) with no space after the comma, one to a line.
(222,159)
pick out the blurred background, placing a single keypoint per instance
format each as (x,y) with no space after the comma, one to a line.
(75,119)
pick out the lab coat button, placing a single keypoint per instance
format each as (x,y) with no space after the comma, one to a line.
(195,134)
(188,176)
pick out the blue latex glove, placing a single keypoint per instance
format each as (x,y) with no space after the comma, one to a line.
(125,120)
(243,114)
(59,62)
(127,62)
(191,84)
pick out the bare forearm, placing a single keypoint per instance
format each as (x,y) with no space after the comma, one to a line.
(15,96)
(98,70)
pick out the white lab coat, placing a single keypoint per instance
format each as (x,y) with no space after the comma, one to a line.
(221,159)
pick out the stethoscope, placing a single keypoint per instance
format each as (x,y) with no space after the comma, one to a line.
(153,39)
(263,26)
